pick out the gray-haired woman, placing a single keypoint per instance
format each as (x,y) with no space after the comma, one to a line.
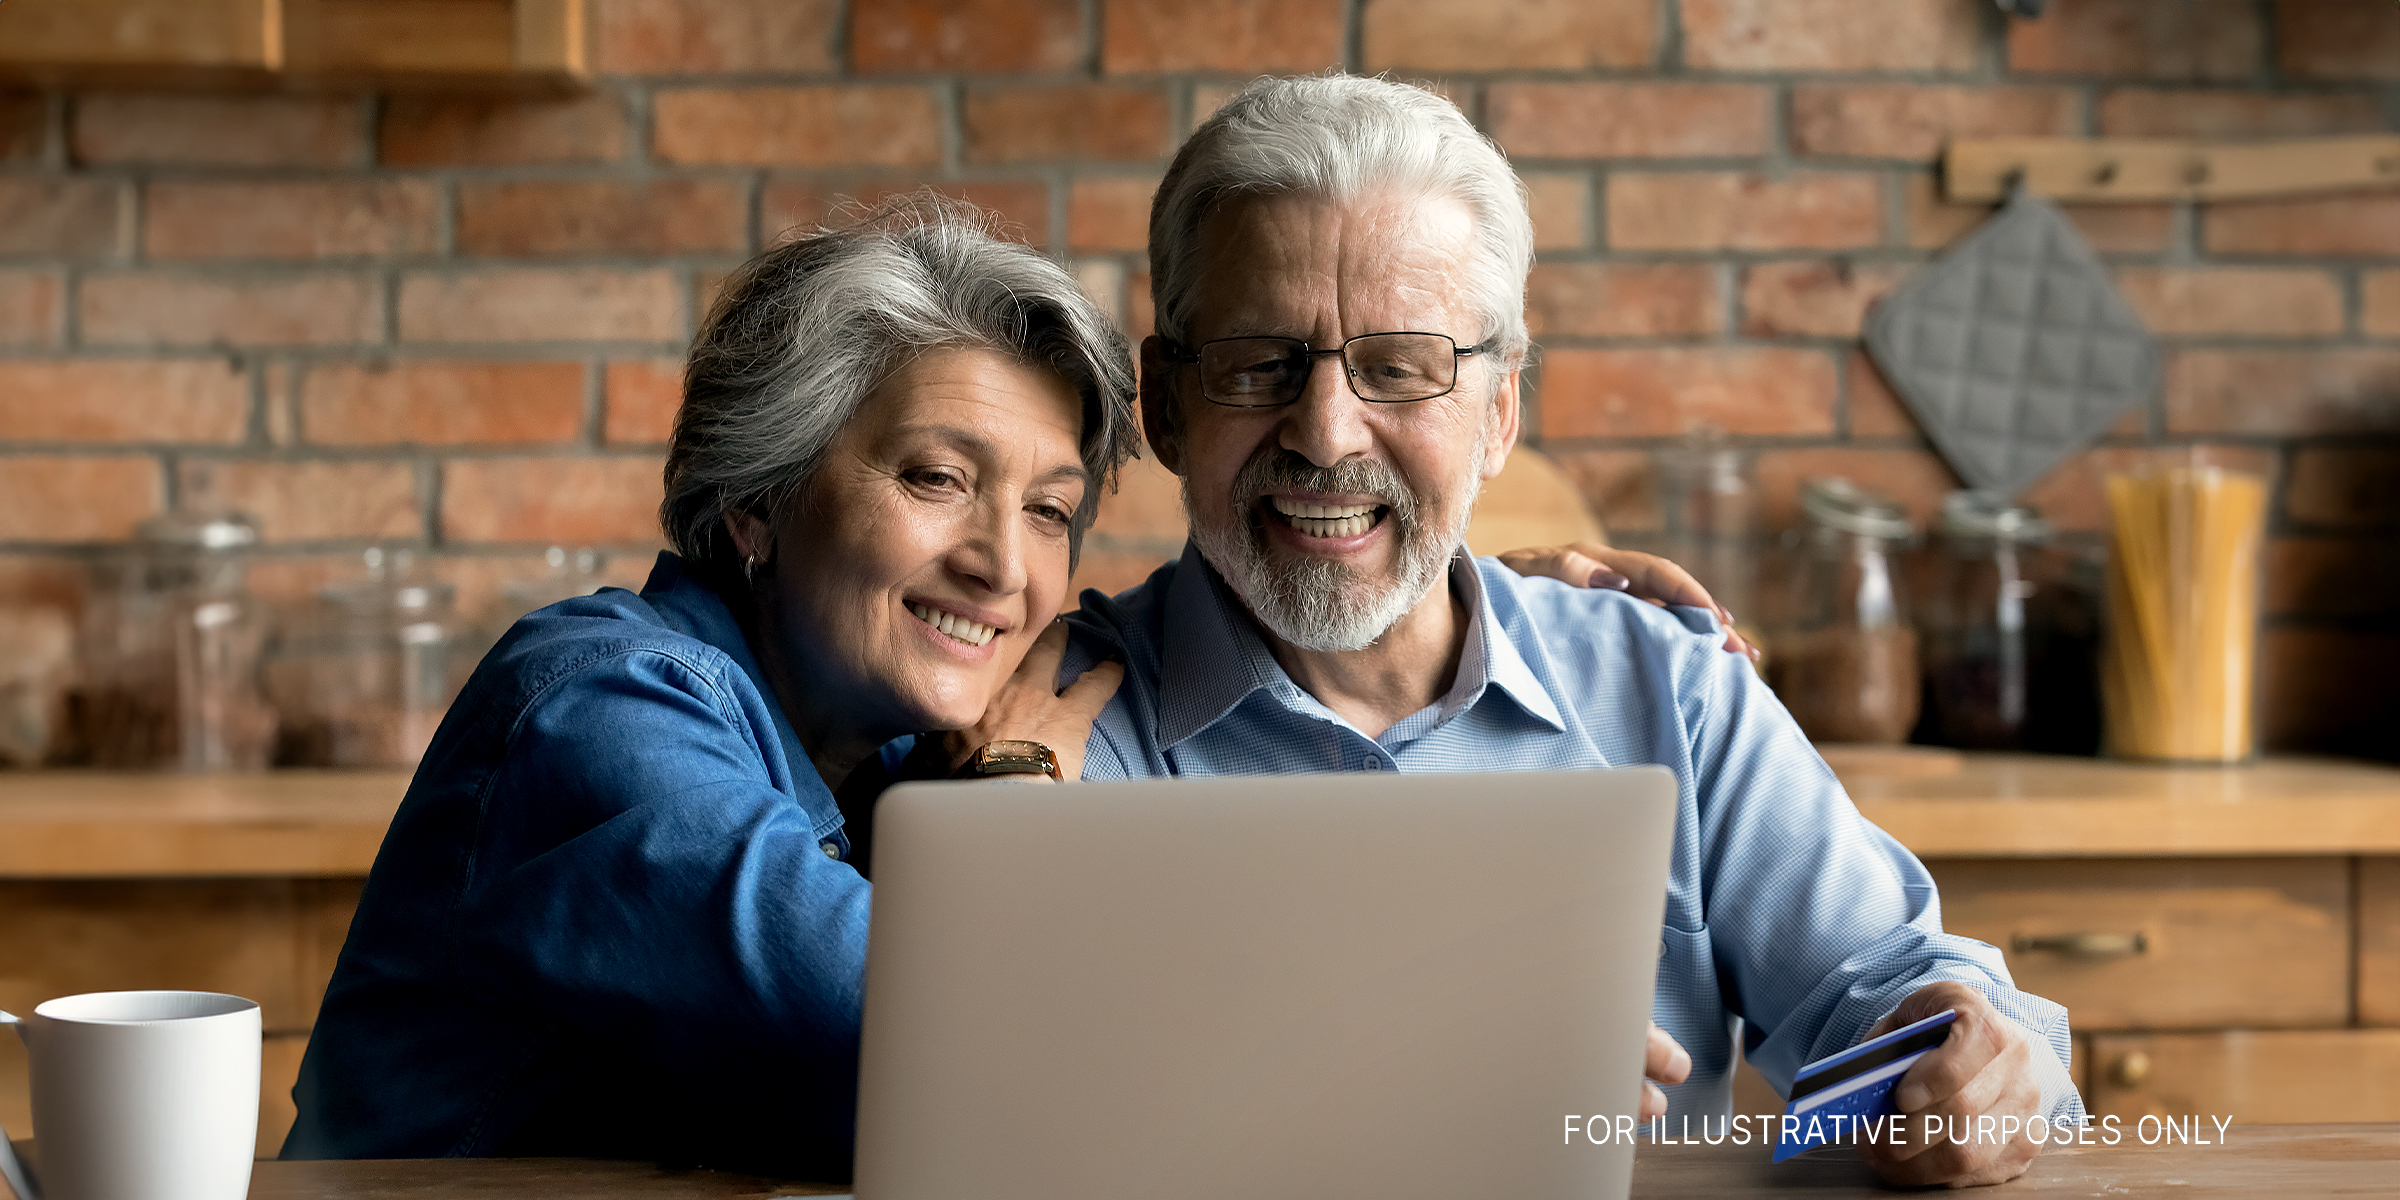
(618,913)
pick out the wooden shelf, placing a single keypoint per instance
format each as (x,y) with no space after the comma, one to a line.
(328,824)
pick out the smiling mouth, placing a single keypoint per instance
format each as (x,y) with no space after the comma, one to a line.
(1328,520)
(955,627)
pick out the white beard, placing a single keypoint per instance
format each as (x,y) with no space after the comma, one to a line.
(1319,604)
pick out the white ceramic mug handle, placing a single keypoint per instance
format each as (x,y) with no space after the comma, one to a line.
(12,1171)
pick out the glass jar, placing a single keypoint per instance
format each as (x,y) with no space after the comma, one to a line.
(366,674)
(2185,537)
(1973,622)
(173,645)
(1706,503)
(1846,662)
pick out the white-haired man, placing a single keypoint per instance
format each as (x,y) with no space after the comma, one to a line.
(1339,267)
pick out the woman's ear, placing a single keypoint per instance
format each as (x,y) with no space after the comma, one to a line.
(1158,405)
(751,540)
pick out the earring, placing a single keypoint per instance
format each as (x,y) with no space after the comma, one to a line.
(750,570)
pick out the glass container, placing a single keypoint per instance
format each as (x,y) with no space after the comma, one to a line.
(2007,630)
(367,671)
(1706,506)
(2183,578)
(173,646)
(1845,663)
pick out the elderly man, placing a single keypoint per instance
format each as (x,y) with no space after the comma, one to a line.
(1339,267)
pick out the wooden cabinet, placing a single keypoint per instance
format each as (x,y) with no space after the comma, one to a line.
(309,43)
(2379,941)
(2255,1077)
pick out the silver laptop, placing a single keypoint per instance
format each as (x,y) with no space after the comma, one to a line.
(1383,986)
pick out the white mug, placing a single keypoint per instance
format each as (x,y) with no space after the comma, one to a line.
(141,1096)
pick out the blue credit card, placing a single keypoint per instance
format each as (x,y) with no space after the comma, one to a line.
(1854,1085)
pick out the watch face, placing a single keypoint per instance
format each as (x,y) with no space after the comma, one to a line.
(1014,758)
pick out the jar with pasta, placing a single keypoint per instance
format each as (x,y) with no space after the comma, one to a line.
(2181,646)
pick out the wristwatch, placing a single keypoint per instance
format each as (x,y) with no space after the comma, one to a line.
(1009,758)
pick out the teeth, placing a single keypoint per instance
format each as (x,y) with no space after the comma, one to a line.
(1326,520)
(957,627)
(1322,511)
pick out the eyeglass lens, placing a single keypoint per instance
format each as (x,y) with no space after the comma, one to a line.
(1384,368)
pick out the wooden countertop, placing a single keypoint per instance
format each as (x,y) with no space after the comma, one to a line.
(2258,1160)
(83,825)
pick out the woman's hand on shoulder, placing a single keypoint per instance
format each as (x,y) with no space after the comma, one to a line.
(1642,576)
(1032,708)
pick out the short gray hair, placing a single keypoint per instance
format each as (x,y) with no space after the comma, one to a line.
(1339,136)
(802,334)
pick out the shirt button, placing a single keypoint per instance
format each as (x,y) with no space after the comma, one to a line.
(1371,763)
(831,851)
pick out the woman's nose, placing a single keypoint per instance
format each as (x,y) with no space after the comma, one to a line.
(993,551)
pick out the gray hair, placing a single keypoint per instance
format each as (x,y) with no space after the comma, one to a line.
(802,334)
(1339,136)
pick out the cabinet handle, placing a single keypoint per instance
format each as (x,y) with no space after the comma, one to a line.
(2082,945)
(2131,1069)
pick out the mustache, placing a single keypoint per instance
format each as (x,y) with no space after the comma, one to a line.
(1277,468)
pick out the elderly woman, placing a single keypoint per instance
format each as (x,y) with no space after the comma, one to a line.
(622,911)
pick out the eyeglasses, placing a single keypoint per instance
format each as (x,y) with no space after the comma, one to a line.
(1383,368)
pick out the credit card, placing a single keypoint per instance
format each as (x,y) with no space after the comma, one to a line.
(1855,1084)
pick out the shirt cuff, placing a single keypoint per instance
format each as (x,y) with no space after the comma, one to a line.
(2061,1102)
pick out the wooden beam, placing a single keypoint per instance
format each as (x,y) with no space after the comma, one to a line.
(2132,169)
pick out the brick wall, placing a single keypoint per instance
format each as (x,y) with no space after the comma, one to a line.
(454,322)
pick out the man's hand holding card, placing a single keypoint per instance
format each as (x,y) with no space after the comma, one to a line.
(1982,1068)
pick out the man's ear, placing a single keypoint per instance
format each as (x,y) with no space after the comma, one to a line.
(1158,405)
(751,538)
(1507,419)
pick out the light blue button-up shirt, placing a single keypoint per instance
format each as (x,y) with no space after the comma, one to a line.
(1790,920)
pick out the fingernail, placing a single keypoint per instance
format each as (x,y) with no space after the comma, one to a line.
(1614,582)
(1728,615)
(1910,1097)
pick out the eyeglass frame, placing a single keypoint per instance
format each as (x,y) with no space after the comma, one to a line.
(1311,354)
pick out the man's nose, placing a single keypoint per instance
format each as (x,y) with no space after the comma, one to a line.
(1328,423)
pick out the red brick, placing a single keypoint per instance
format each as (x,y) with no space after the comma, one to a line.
(1875,410)
(58,217)
(1621,486)
(2283,391)
(1023,206)
(1251,36)
(581,304)
(2198,39)
(1103,283)
(481,131)
(200,129)
(1629,120)
(289,220)
(2223,112)
(29,308)
(645,217)
(1737,211)
(554,500)
(1141,319)
(1661,392)
(148,400)
(1477,35)
(2357,223)
(1110,214)
(1894,120)
(1816,299)
(313,501)
(641,399)
(1102,122)
(156,308)
(2110,228)
(2262,303)
(2327,690)
(648,37)
(442,403)
(1562,209)
(2379,309)
(2342,487)
(966,35)
(1621,300)
(24,126)
(2338,39)
(2328,577)
(875,125)
(1830,35)
(82,498)
(1914,479)
(2073,496)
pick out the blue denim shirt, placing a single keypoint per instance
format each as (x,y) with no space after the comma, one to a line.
(612,917)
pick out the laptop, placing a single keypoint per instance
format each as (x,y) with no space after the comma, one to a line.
(1384,986)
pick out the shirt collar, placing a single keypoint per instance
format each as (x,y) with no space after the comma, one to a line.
(1215,657)
(690,606)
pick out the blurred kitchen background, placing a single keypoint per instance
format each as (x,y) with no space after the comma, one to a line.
(335,333)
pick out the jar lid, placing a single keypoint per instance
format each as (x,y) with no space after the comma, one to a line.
(1837,503)
(213,531)
(1972,513)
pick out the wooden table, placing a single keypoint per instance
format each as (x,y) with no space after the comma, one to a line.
(2255,1161)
